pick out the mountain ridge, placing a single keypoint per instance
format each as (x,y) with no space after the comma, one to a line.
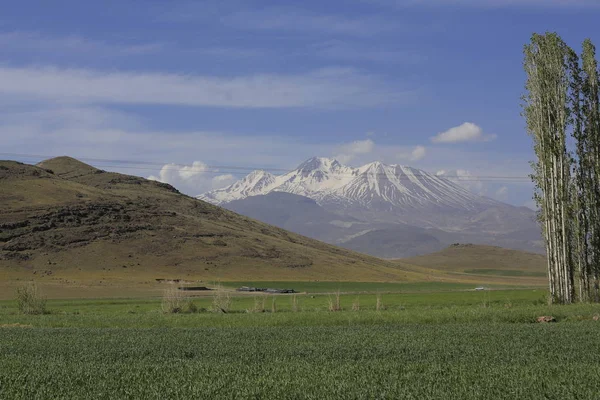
(328,181)
(378,192)
(381,200)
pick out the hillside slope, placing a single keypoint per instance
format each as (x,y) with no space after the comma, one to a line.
(65,220)
(305,216)
(299,214)
(487,260)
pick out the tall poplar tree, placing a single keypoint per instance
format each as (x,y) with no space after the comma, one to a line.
(546,109)
(590,141)
(580,182)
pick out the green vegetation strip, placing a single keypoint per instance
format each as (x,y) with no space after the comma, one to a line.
(369,287)
(470,361)
(450,345)
(511,306)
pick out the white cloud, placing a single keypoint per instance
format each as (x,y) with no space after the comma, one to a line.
(347,152)
(228,178)
(416,154)
(325,88)
(178,176)
(465,179)
(192,179)
(222,181)
(467,132)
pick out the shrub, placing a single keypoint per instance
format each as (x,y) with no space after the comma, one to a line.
(30,300)
(334,303)
(274,305)
(173,301)
(221,300)
(259,305)
(191,307)
(379,306)
(356,304)
(295,307)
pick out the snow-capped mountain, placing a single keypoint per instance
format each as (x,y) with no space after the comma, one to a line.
(374,185)
(253,184)
(357,207)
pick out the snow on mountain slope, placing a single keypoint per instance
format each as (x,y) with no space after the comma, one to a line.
(372,186)
(378,201)
(257,182)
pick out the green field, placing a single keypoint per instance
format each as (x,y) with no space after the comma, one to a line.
(328,287)
(391,361)
(436,307)
(443,345)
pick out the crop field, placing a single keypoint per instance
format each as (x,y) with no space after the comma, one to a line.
(446,345)
(390,361)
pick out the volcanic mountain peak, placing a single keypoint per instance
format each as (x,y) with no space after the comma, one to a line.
(327,181)
(319,163)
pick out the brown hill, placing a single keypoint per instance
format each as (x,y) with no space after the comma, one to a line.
(65,221)
(483,260)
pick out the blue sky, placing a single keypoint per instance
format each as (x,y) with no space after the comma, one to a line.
(270,83)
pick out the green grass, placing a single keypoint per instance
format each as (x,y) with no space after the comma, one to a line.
(510,306)
(466,306)
(387,361)
(444,345)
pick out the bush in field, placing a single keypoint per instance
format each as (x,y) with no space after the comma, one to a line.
(379,306)
(30,300)
(173,301)
(191,307)
(295,307)
(259,305)
(221,301)
(334,303)
(356,304)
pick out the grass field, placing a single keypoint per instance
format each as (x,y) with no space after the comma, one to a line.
(388,361)
(421,345)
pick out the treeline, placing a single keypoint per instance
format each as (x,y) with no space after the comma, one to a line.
(562,110)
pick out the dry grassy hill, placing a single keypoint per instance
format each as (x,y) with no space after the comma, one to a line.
(66,222)
(483,260)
